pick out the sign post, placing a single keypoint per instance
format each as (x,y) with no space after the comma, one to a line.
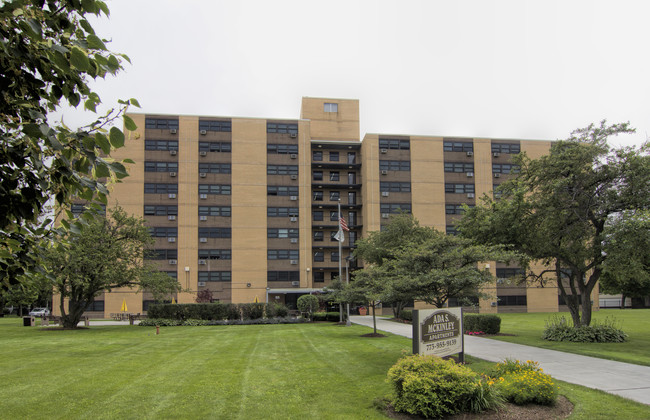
(438,332)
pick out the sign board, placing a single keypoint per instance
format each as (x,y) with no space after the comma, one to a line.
(438,331)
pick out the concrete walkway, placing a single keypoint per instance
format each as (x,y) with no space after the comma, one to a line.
(624,379)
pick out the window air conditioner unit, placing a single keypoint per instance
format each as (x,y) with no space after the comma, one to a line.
(295,283)
(203,174)
(171,195)
(294,262)
(203,240)
(201,284)
(171,217)
(294,198)
(385,215)
(203,218)
(493,304)
(172,174)
(496,154)
(385,194)
(293,135)
(294,240)
(171,239)
(470,153)
(293,219)
(384,150)
(203,196)
(293,156)
(173,262)
(497,175)
(204,132)
(384,172)
(470,195)
(203,153)
(202,262)
(172,131)
(173,152)
(470,174)
(294,177)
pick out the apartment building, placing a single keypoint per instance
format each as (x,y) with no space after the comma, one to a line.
(248,207)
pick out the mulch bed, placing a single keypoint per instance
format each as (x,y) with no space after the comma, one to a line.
(561,410)
(373,335)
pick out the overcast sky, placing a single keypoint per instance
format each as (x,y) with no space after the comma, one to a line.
(504,69)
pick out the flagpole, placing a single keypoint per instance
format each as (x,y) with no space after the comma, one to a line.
(340,256)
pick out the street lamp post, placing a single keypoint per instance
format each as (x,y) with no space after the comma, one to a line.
(347,282)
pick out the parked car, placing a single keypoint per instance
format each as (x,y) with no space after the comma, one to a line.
(39,312)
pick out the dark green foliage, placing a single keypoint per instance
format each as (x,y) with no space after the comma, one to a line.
(308,304)
(319,316)
(433,387)
(327,316)
(489,324)
(276,310)
(406,315)
(217,311)
(252,310)
(164,322)
(558,329)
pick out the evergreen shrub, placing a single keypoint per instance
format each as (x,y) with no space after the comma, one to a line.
(406,315)
(489,324)
(558,329)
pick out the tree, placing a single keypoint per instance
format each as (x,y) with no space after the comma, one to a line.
(49,53)
(107,253)
(204,296)
(627,267)
(307,304)
(370,287)
(557,209)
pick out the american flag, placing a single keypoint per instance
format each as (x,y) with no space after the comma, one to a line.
(343,225)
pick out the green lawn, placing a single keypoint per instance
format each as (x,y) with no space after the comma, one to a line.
(301,371)
(528,328)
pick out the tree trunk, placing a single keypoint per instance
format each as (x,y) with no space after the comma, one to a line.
(374,319)
(622,300)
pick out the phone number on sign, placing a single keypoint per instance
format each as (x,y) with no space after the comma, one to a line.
(441,344)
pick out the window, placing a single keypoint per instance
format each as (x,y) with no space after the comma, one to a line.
(317,175)
(282,212)
(458,146)
(330,107)
(282,233)
(519,300)
(281,128)
(459,167)
(317,156)
(335,195)
(214,146)
(334,216)
(506,148)
(283,276)
(96,306)
(215,189)
(282,169)
(214,168)
(352,178)
(160,188)
(318,195)
(319,277)
(215,254)
(161,123)
(317,216)
(353,238)
(160,210)
(171,274)
(395,207)
(215,232)
(332,236)
(222,211)
(334,256)
(77,209)
(163,232)
(283,254)
(459,188)
(334,176)
(352,198)
(395,186)
(352,218)
(395,144)
(215,276)
(160,145)
(504,168)
(319,256)
(160,166)
(280,190)
(455,208)
(352,157)
(318,236)
(504,273)
(394,165)
(451,230)
(282,149)
(223,126)
(161,254)
(334,156)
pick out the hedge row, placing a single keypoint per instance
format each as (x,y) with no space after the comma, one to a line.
(162,322)
(489,324)
(217,311)
(327,316)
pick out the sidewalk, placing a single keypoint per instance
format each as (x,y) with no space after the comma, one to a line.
(624,379)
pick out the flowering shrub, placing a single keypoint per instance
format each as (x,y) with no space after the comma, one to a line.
(474,333)
(524,382)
